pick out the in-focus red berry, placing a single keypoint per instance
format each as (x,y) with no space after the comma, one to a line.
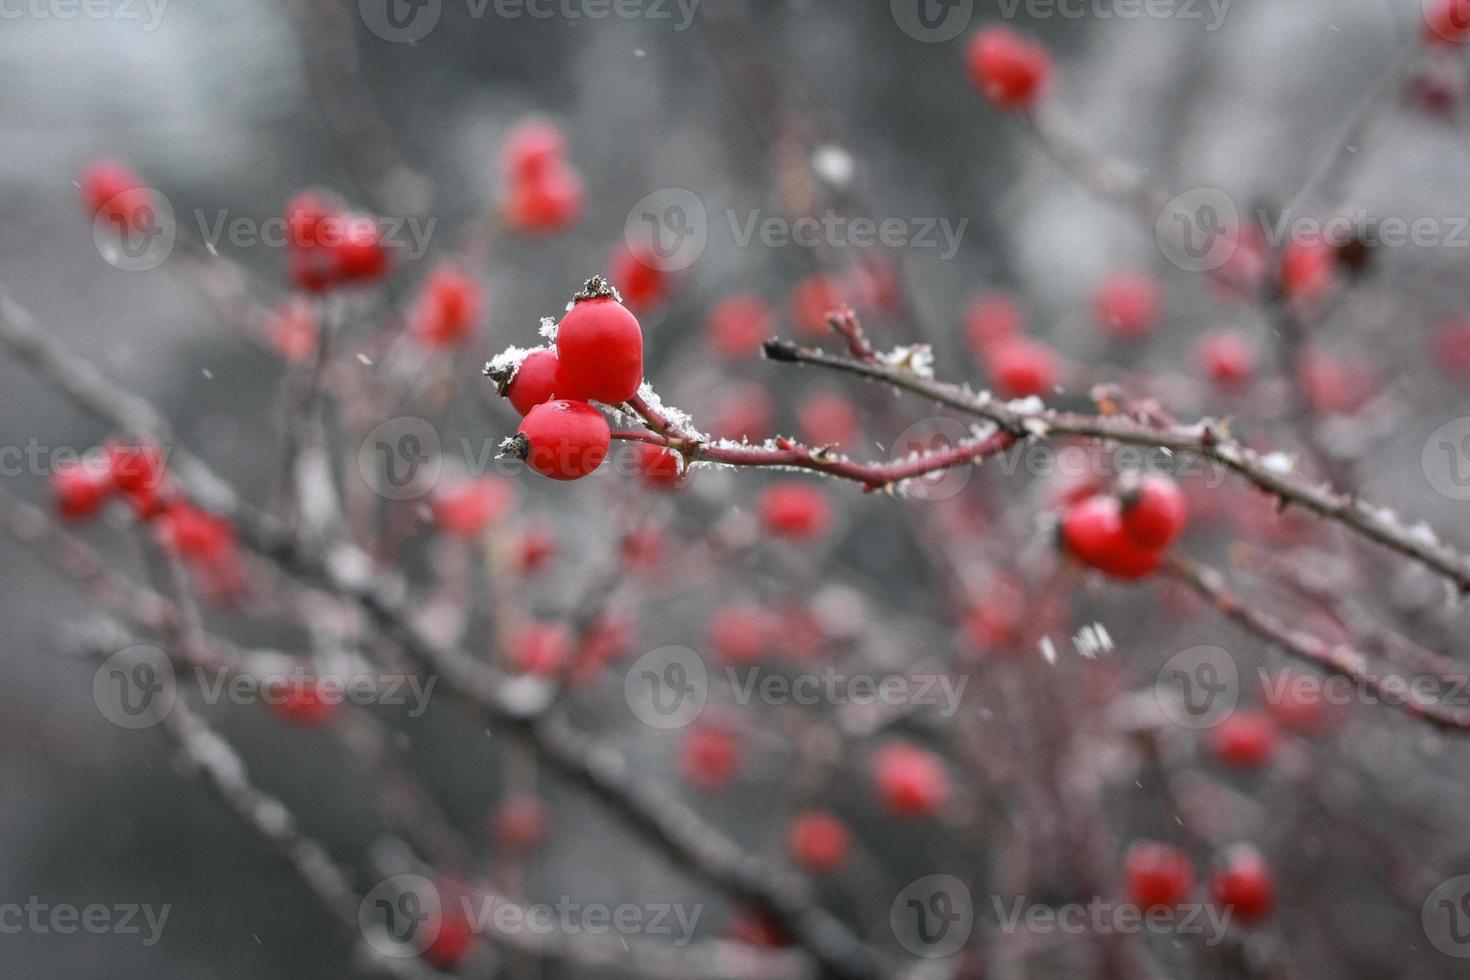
(798,511)
(468,509)
(81,488)
(740,632)
(819,841)
(1009,70)
(1129,305)
(541,649)
(1092,532)
(534,381)
(992,319)
(1244,740)
(911,782)
(1159,875)
(600,347)
(563,440)
(520,823)
(1023,367)
(1226,358)
(1154,511)
(299,700)
(1308,270)
(711,756)
(449,308)
(738,326)
(1242,883)
(827,419)
(661,468)
(812,299)
(644,285)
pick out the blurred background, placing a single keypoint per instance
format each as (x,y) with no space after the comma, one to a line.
(756,107)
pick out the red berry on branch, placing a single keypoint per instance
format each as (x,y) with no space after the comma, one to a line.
(1154,511)
(563,440)
(448,309)
(534,381)
(1226,358)
(911,782)
(196,534)
(546,203)
(798,511)
(819,841)
(1244,740)
(1092,531)
(112,190)
(1308,270)
(532,148)
(711,757)
(661,468)
(992,319)
(1129,305)
(136,468)
(360,256)
(454,940)
(541,649)
(1022,368)
(1009,70)
(600,347)
(642,283)
(467,510)
(738,326)
(1243,885)
(81,488)
(1158,875)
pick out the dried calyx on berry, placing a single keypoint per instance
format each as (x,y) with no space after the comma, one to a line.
(598,287)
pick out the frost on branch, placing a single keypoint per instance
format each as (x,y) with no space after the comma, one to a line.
(502,368)
(916,359)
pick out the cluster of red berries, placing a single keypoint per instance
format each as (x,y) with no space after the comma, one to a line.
(543,192)
(598,355)
(135,472)
(1161,876)
(1126,535)
(331,247)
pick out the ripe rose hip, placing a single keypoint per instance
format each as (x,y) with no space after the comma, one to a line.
(1092,531)
(599,345)
(467,510)
(534,381)
(827,419)
(448,309)
(739,633)
(798,511)
(1308,270)
(1244,740)
(563,440)
(136,468)
(1021,368)
(819,841)
(81,488)
(1159,875)
(360,255)
(532,148)
(541,649)
(1128,305)
(1226,358)
(454,941)
(993,319)
(1009,70)
(307,215)
(642,283)
(546,203)
(738,326)
(911,783)
(1154,511)
(520,823)
(196,534)
(661,468)
(1242,883)
(711,757)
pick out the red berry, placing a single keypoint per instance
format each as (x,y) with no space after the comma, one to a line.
(300,701)
(535,549)
(992,319)
(1307,270)
(542,649)
(563,440)
(534,381)
(1243,885)
(814,298)
(911,782)
(1154,511)
(1448,21)
(798,511)
(448,309)
(1092,531)
(1451,346)
(113,190)
(546,203)
(532,148)
(992,623)
(1332,385)
(520,823)
(711,757)
(739,632)
(744,412)
(1296,702)
(468,509)
(136,469)
(1159,875)
(81,488)
(643,548)
(755,927)
(641,282)
(1226,358)
(600,346)
(292,330)
(360,256)
(307,215)
(454,940)
(738,326)
(196,534)
(827,419)
(1244,740)
(819,841)
(1009,70)
(660,468)
(1128,305)
(1022,368)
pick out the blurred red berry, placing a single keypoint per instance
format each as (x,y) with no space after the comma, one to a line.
(136,468)
(1226,358)
(1308,270)
(739,632)
(1244,740)
(1242,883)
(797,511)
(468,509)
(196,534)
(827,419)
(562,440)
(114,191)
(993,319)
(299,700)
(812,299)
(911,782)
(454,940)
(738,326)
(819,841)
(1023,368)
(1128,305)
(1451,346)
(711,756)
(1009,70)
(81,488)
(520,823)
(533,147)
(1154,511)
(535,549)
(545,204)
(1447,22)
(449,308)
(644,285)
(292,330)
(541,649)
(1159,875)
(661,468)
